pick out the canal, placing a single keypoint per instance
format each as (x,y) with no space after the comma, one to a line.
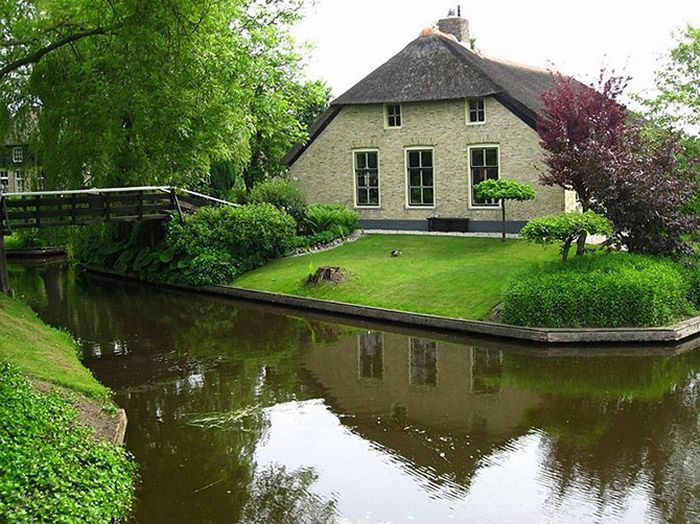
(238,412)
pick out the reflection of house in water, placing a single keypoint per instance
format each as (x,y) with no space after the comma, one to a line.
(436,407)
(439,384)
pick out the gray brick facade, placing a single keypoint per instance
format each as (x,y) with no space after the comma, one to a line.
(326,174)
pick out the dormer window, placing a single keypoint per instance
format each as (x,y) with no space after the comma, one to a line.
(17,155)
(475,110)
(393,115)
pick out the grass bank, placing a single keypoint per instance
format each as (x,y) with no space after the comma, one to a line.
(43,352)
(450,276)
(54,468)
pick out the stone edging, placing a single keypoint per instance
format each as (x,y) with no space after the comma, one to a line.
(674,333)
(36,252)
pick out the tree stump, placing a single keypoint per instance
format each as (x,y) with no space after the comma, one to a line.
(327,274)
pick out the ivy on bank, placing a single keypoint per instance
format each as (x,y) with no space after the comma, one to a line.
(53,469)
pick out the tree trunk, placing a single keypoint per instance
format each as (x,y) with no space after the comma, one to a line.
(581,244)
(503,220)
(565,248)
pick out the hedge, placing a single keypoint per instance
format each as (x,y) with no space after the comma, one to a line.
(604,290)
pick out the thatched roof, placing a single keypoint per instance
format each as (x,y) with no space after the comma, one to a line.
(437,67)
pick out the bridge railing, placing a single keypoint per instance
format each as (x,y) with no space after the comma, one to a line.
(43,209)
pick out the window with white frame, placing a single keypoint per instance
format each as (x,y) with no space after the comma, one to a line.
(421,179)
(393,115)
(5,179)
(367,178)
(371,346)
(476,111)
(17,155)
(483,163)
(19,181)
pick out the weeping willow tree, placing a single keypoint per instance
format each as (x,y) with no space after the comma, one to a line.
(120,92)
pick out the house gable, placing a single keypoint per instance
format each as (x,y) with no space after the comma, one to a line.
(437,67)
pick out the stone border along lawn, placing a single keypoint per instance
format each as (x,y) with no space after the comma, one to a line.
(458,277)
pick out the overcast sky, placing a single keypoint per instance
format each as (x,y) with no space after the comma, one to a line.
(350,38)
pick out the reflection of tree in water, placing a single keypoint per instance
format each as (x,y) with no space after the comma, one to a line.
(170,355)
(279,496)
(605,443)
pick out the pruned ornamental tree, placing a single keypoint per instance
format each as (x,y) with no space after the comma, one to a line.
(566,228)
(503,190)
(593,147)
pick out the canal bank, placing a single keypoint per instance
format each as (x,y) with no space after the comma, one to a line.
(60,430)
(676,333)
(233,404)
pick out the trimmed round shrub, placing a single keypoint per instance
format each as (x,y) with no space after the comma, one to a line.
(607,290)
(283,194)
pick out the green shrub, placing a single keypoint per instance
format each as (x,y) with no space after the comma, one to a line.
(251,235)
(691,273)
(283,194)
(610,290)
(24,239)
(565,228)
(328,217)
(209,267)
(53,470)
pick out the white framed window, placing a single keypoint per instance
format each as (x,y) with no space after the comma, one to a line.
(371,355)
(392,116)
(366,177)
(476,110)
(19,181)
(420,177)
(17,155)
(484,164)
(423,362)
(5,179)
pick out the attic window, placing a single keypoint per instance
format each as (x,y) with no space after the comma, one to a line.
(393,115)
(17,155)
(475,109)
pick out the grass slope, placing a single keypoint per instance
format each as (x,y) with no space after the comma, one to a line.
(43,352)
(450,276)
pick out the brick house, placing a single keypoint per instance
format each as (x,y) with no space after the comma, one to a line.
(411,140)
(19,169)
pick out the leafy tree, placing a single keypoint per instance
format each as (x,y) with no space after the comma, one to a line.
(504,190)
(592,146)
(677,100)
(149,92)
(282,111)
(566,228)
(581,130)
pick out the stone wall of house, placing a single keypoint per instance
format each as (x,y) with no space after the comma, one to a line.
(325,169)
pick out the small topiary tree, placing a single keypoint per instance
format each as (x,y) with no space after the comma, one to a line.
(566,228)
(504,190)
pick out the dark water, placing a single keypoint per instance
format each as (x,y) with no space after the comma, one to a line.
(241,413)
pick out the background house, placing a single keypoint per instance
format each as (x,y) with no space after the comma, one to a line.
(20,170)
(412,139)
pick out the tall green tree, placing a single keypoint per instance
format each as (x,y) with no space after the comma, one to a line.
(132,92)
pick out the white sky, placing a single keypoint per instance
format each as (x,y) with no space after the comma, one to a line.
(350,38)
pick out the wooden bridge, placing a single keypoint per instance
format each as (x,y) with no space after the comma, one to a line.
(45,209)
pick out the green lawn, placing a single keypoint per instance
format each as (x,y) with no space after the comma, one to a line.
(450,276)
(43,352)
